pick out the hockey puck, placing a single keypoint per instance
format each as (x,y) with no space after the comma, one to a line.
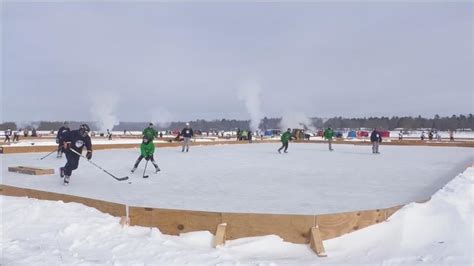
(129,182)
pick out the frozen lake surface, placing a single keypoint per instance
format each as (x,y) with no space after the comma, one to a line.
(255,178)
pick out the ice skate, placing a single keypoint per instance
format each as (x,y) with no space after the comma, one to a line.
(66,180)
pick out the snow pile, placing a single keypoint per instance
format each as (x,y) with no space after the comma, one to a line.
(438,232)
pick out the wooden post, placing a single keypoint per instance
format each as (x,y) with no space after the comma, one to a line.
(219,239)
(316,243)
(125,220)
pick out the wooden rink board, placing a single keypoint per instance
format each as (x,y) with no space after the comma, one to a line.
(292,228)
(34,148)
(30,170)
(6,149)
(114,209)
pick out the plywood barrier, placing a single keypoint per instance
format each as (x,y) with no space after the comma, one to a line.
(174,222)
(114,209)
(466,143)
(49,148)
(39,148)
(30,170)
(292,228)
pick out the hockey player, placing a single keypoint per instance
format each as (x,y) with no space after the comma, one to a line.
(375,138)
(150,133)
(16,136)
(63,129)
(329,134)
(8,134)
(187,133)
(147,148)
(285,138)
(75,140)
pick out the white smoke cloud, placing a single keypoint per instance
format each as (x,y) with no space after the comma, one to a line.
(27,124)
(162,117)
(249,93)
(293,119)
(103,108)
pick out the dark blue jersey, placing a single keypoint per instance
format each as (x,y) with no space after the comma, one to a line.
(375,136)
(61,131)
(77,140)
(187,132)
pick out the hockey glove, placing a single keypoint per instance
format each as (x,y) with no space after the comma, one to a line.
(89,155)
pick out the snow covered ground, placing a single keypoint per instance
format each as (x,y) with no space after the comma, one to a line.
(255,178)
(34,232)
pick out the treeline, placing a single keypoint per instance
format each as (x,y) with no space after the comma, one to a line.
(441,123)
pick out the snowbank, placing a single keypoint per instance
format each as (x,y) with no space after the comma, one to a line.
(438,232)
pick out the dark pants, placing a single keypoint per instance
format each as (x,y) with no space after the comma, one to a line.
(60,149)
(284,145)
(72,162)
(149,158)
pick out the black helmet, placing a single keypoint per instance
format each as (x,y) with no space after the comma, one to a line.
(84,128)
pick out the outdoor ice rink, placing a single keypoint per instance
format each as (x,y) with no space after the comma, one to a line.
(255,178)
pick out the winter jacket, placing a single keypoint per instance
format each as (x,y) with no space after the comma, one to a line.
(147,149)
(286,137)
(375,136)
(150,133)
(61,131)
(187,133)
(76,140)
(328,133)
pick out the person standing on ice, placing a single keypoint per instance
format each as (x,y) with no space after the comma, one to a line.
(375,138)
(285,138)
(187,133)
(150,133)
(16,135)
(75,140)
(63,129)
(329,134)
(147,149)
(8,134)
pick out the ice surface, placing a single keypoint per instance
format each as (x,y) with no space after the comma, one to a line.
(255,178)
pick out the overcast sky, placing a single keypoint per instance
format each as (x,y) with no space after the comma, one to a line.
(185,61)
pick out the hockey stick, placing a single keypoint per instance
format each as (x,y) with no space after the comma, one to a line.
(146,164)
(56,150)
(117,178)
